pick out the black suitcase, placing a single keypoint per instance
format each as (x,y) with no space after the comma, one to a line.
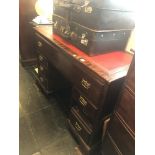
(61,26)
(109,4)
(102,14)
(62,8)
(94,42)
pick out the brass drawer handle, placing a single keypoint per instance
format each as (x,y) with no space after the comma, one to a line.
(82,101)
(40,44)
(85,83)
(77,126)
(41,58)
(41,68)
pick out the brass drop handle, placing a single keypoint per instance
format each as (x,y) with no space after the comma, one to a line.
(85,83)
(82,101)
(39,44)
(77,126)
(41,68)
(41,58)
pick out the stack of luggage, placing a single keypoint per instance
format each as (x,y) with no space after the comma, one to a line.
(94,26)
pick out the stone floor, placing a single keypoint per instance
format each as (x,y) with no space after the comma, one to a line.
(42,123)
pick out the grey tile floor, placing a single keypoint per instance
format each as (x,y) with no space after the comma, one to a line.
(42,124)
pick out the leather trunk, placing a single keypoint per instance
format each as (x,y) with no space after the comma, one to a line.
(102,18)
(113,4)
(94,42)
(62,8)
(97,15)
(61,26)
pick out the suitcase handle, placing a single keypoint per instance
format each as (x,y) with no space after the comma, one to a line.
(67,6)
(63,5)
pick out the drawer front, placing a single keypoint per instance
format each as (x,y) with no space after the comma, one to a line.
(42,71)
(121,137)
(86,149)
(41,44)
(91,87)
(44,82)
(56,57)
(42,65)
(42,60)
(85,105)
(126,108)
(81,128)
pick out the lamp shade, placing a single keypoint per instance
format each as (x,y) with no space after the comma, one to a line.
(44,8)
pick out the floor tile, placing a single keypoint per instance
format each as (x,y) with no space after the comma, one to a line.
(47,125)
(42,127)
(27,145)
(63,146)
(31,98)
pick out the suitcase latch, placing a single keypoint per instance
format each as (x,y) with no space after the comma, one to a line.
(55,25)
(84,40)
(88,9)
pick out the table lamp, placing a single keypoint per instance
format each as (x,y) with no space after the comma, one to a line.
(44,9)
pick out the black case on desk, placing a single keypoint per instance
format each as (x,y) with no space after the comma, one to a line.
(97,15)
(94,42)
(90,41)
(62,8)
(102,14)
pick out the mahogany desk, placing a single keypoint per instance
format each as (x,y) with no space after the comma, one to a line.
(96,82)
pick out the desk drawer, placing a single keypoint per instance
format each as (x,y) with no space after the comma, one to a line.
(56,57)
(42,71)
(44,82)
(42,65)
(126,108)
(42,60)
(85,105)
(82,127)
(89,85)
(41,44)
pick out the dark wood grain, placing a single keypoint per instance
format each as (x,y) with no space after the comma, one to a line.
(122,137)
(26,33)
(122,126)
